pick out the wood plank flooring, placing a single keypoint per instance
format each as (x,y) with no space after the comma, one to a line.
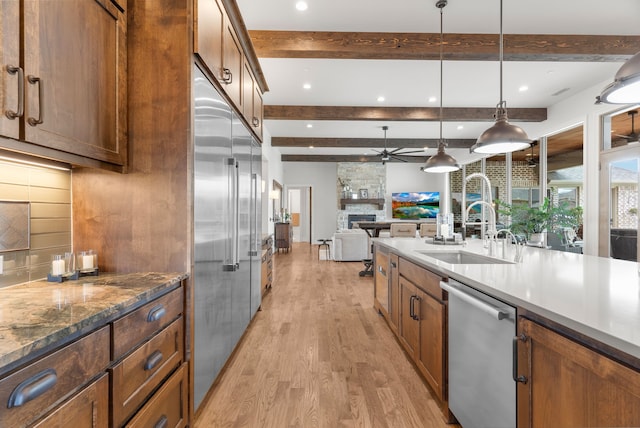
(319,355)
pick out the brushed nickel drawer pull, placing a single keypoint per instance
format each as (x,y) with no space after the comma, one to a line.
(32,388)
(153,360)
(20,111)
(33,121)
(156,313)
(162,422)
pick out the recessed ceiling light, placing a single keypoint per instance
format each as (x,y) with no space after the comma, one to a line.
(302,5)
(309,125)
(523,88)
(307,86)
(380,99)
(432,99)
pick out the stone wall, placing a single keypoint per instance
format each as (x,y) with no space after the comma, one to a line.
(355,176)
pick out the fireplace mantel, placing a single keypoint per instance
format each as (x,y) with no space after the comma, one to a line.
(378,202)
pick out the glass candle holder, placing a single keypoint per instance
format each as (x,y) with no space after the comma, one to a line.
(87,261)
(444,223)
(57,265)
(69,264)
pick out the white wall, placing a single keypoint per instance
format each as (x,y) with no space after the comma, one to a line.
(271,170)
(322,178)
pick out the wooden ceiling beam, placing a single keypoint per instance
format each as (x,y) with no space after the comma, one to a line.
(348,158)
(458,46)
(407,143)
(400,114)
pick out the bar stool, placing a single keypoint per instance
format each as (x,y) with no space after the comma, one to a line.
(325,243)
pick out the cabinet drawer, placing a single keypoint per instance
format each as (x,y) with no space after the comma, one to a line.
(423,278)
(29,393)
(135,377)
(89,408)
(168,407)
(142,323)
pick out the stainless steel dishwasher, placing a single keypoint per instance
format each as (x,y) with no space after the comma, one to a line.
(482,392)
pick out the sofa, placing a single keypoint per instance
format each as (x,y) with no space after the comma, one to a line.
(350,245)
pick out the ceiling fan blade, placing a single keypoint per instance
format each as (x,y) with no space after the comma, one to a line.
(398,158)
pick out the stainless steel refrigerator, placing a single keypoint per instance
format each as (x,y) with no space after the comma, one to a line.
(227,231)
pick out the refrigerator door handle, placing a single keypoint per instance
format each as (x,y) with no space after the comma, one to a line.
(253,251)
(236,240)
(230,264)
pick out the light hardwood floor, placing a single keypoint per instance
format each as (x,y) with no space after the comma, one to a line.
(319,355)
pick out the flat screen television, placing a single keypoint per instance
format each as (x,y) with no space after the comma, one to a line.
(415,205)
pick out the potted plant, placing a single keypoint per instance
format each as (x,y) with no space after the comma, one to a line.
(533,222)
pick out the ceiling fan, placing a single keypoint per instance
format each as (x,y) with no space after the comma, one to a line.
(395,154)
(633,136)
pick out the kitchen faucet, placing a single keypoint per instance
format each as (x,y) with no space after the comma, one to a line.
(519,245)
(491,233)
(488,199)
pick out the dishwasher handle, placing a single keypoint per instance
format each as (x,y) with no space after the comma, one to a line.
(477,303)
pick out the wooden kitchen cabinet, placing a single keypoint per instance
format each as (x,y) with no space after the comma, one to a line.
(258,111)
(74,81)
(89,408)
(47,383)
(10,79)
(217,44)
(381,281)
(168,407)
(394,292)
(569,384)
(231,78)
(422,323)
(266,277)
(208,31)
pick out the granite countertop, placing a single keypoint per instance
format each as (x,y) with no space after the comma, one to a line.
(38,315)
(595,296)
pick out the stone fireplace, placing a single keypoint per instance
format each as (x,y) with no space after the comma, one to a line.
(358,176)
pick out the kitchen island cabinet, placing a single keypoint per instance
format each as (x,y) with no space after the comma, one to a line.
(577,343)
(67,93)
(569,384)
(410,299)
(422,325)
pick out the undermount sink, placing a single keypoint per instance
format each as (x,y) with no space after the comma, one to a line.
(463,257)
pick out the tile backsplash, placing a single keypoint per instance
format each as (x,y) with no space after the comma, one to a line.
(48,193)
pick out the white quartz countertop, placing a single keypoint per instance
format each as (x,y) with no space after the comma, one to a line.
(595,296)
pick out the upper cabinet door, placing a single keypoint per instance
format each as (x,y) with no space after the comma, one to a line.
(258,111)
(75,77)
(232,65)
(11,72)
(208,30)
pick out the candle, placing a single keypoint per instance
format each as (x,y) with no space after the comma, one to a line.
(87,262)
(57,266)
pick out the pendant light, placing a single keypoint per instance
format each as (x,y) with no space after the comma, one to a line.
(625,88)
(502,137)
(441,162)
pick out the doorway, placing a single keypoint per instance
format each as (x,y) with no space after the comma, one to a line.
(619,191)
(299,206)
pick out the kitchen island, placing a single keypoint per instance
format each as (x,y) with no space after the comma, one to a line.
(578,324)
(61,342)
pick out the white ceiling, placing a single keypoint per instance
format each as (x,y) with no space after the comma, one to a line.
(351,82)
